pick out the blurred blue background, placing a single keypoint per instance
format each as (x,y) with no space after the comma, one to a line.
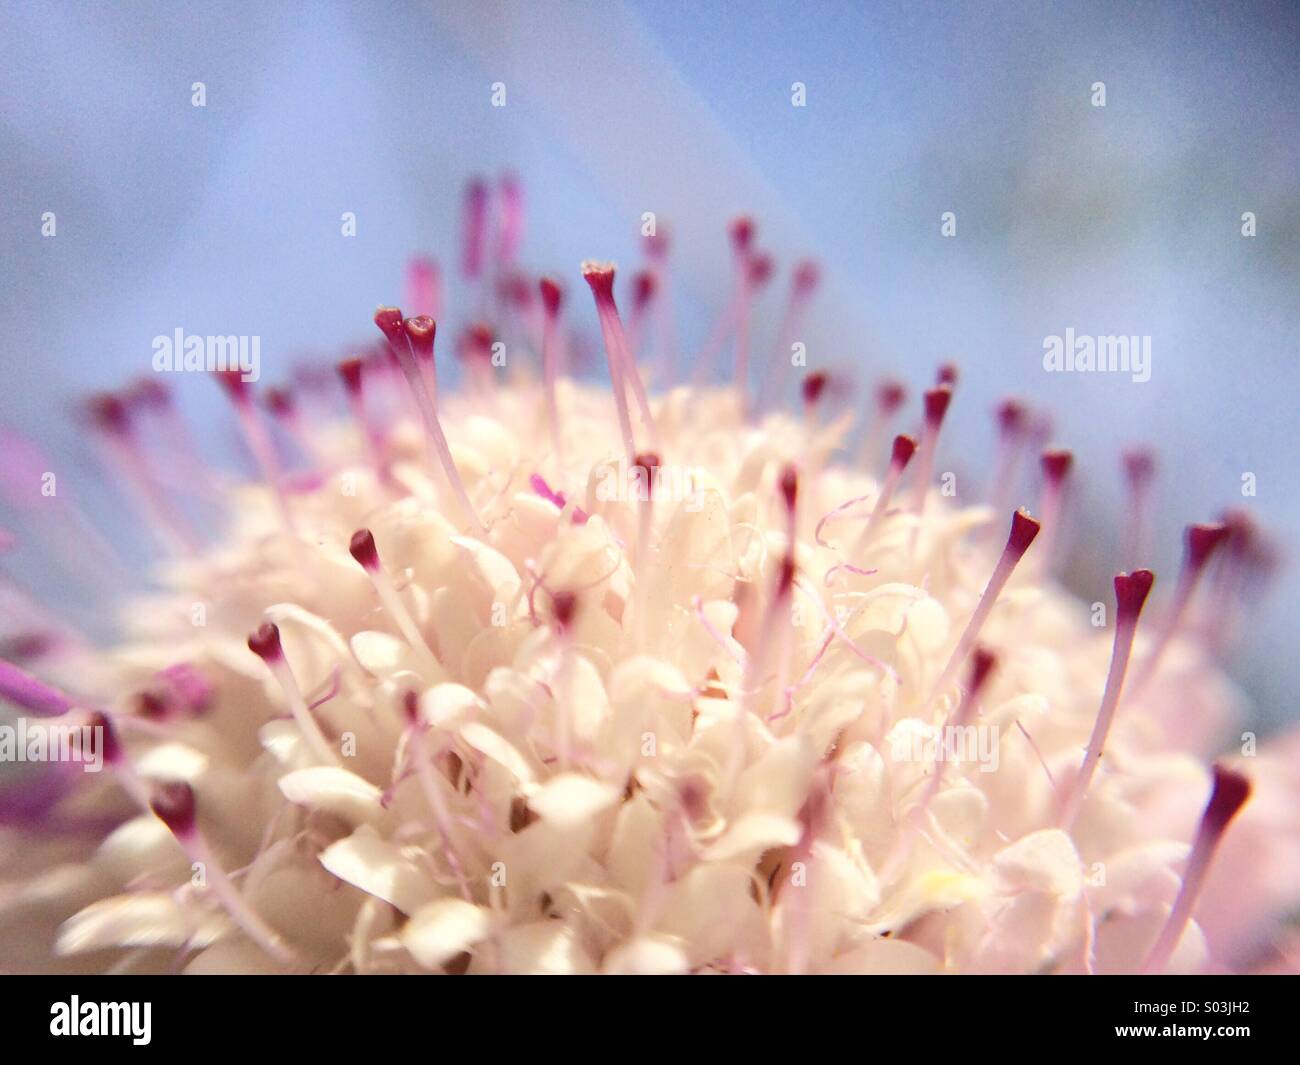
(1124,219)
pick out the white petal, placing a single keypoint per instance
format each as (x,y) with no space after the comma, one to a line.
(378,868)
(572,799)
(172,761)
(543,948)
(1042,861)
(441,929)
(754,833)
(496,747)
(646,956)
(153,919)
(333,790)
(450,705)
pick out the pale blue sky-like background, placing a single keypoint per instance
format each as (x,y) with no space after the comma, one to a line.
(1123,219)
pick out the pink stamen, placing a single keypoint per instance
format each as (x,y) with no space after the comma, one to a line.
(510,197)
(474,226)
(552,300)
(936,406)
(643,291)
(600,278)
(982,663)
(1131,591)
(390,323)
(1139,472)
(564,604)
(756,272)
(173,803)
(1013,423)
(1230,793)
(155,399)
(890,397)
(265,643)
(656,252)
(432,788)
(27,692)
(112,417)
(1023,530)
(803,284)
(1200,544)
(362,548)
(900,455)
(1056,464)
(257,438)
(741,233)
(351,372)
(421,332)
(774,636)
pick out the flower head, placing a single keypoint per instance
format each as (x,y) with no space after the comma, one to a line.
(545,680)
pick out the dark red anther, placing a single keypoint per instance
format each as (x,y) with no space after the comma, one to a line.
(411,706)
(760,270)
(904,448)
(421,331)
(814,384)
(389,321)
(1023,530)
(936,405)
(1231,792)
(234,384)
(173,802)
(552,296)
(1013,417)
(643,289)
(476,343)
(265,642)
(1139,466)
(475,227)
(806,276)
(890,395)
(1201,541)
(109,413)
(151,705)
(565,605)
(516,291)
(364,551)
(788,482)
(741,231)
(981,665)
(946,375)
(279,401)
(1056,464)
(1131,591)
(351,372)
(785,576)
(600,276)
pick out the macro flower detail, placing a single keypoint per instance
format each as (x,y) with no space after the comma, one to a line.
(535,675)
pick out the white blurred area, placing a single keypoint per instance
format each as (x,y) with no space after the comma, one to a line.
(1123,219)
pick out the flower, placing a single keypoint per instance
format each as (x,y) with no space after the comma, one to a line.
(523,679)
